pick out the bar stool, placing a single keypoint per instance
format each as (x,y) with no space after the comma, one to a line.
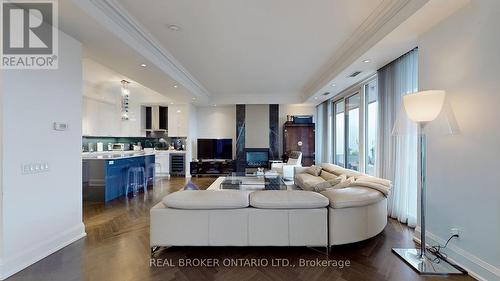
(151,171)
(138,179)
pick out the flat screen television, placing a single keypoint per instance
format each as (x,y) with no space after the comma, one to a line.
(215,149)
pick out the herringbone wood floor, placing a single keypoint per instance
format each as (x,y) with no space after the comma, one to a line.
(117,248)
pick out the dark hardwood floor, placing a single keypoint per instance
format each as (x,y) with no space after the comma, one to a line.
(117,248)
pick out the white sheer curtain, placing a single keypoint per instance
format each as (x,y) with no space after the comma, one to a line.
(323,133)
(398,139)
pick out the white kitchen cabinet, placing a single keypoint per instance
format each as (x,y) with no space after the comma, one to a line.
(162,157)
(177,121)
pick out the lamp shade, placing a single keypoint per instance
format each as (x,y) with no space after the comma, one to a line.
(424,106)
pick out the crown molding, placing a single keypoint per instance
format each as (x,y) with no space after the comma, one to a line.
(114,17)
(385,18)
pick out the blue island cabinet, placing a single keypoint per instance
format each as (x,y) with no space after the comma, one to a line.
(112,174)
(116,174)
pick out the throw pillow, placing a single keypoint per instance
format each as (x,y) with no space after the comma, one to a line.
(345,183)
(314,170)
(191,186)
(336,180)
(385,182)
(373,185)
(322,186)
(327,175)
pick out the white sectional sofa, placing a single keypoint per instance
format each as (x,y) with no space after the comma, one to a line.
(240,218)
(355,213)
(271,218)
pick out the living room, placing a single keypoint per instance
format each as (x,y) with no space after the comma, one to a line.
(236,140)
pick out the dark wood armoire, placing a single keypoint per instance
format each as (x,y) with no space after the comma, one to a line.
(299,137)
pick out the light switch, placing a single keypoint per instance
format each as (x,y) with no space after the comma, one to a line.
(34,168)
(58,126)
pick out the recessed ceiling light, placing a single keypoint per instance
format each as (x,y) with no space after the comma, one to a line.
(176,86)
(171,102)
(174,27)
(214,104)
(143,65)
(193,98)
(333,84)
(366,61)
(315,98)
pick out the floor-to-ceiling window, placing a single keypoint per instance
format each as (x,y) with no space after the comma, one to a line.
(371,127)
(338,132)
(355,123)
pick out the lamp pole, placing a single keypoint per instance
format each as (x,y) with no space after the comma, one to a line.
(423,170)
(423,107)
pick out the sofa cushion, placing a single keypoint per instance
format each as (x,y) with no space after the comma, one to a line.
(289,199)
(344,182)
(327,175)
(314,170)
(322,186)
(307,181)
(207,199)
(373,185)
(333,183)
(337,170)
(352,197)
(367,178)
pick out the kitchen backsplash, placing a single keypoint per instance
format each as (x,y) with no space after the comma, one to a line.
(146,142)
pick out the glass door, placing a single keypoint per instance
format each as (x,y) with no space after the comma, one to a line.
(352,136)
(371,127)
(339,135)
(355,128)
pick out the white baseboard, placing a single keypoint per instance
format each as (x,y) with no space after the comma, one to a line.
(33,253)
(475,266)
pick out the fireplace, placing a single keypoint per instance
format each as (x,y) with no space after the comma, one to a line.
(257,157)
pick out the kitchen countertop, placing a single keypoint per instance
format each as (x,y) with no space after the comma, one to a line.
(113,155)
(170,151)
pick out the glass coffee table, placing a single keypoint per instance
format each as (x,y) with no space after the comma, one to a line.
(253,182)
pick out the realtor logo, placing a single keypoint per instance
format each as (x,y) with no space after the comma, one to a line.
(29,34)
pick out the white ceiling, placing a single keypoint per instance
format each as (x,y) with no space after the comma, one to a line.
(104,47)
(240,51)
(262,47)
(106,83)
(399,41)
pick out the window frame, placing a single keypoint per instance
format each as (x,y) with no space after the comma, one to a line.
(358,88)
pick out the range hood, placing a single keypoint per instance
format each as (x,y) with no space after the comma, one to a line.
(156,118)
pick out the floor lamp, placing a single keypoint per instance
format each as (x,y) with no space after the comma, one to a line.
(422,108)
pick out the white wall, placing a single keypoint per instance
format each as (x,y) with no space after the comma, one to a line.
(101,103)
(102,113)
(461,55)
(256,126)
(216,122)
(41,212)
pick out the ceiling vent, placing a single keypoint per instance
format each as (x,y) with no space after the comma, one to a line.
(326,93)
(356,73)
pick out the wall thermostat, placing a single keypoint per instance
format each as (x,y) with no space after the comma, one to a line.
(60,126)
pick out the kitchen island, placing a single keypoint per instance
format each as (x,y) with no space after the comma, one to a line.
(105,173)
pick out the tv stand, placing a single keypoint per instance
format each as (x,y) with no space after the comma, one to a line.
(212,167)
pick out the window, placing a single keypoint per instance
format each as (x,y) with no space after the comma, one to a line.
(353,132)
(355,128)
(339,133)
(371,127)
